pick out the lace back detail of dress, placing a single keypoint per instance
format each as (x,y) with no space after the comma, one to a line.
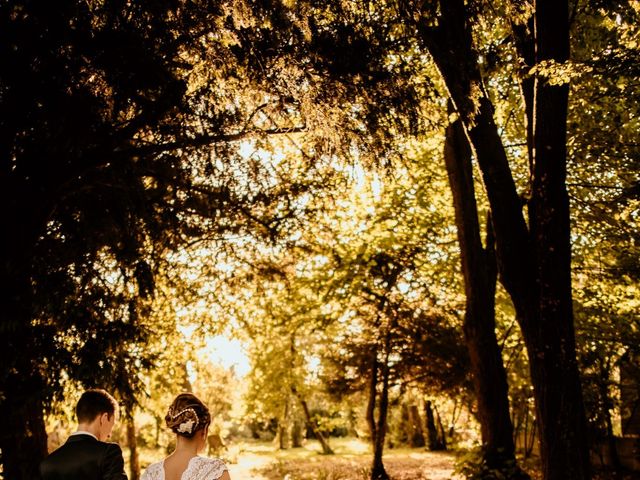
(199,468)
(205,469)
(153,472)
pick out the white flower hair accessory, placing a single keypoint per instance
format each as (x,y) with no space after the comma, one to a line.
(186,427)
(190,424)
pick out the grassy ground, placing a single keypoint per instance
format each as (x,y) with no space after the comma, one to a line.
(259,461)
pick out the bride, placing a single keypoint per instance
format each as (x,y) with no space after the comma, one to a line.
(189,419)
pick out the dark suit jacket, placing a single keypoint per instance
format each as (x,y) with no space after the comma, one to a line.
(83,457)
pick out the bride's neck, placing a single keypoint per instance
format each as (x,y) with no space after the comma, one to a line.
(186,446)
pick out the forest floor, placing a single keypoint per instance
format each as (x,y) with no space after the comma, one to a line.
(259,461)
(352,461)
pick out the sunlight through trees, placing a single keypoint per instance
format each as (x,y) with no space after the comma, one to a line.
(376,226)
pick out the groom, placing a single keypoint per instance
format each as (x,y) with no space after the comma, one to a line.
(86,455)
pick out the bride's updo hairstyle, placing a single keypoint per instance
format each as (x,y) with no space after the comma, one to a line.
(187,414)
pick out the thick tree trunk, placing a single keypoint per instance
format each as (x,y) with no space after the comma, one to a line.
(563,429)
(480,277)
(23,440)
(534,265)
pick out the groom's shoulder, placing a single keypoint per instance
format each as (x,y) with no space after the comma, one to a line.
(112,446)
(80,453)
(75,445)
(111,453)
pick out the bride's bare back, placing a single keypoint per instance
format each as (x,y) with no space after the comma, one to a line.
(175,465)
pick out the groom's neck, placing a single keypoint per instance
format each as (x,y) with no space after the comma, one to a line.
(91,428)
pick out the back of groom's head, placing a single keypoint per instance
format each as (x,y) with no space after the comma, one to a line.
(95,402)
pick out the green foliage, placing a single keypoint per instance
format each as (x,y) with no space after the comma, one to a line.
(112,159)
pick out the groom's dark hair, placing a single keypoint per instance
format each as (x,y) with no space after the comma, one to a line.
(95,402)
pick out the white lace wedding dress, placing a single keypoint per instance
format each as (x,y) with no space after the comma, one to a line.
(199,468)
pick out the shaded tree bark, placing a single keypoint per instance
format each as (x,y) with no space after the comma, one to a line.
(533,259)
(480,276)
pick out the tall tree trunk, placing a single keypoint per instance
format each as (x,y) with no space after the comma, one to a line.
(417,433)
(377,428)
(326,449)
(371,401)
(378,471)
(283,434)
(159,421)
(534,264)
(435,442)
(296,434)
(442,434)
(563,429)
(134,459)
(480,276)
(405,427)
(525,46)
(530,442)
(607,408)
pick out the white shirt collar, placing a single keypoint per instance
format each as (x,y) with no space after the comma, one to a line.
(83,432)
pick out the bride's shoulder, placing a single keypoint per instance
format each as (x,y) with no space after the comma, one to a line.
(211,467)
